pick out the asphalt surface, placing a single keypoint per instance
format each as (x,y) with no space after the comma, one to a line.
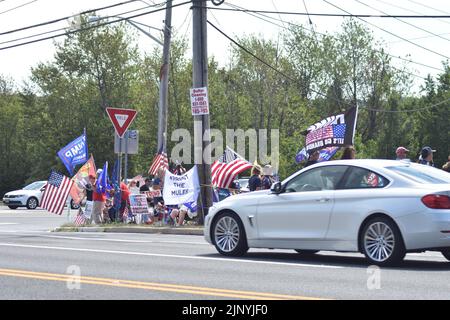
(37,264)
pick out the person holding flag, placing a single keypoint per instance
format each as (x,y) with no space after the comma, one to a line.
(99,195)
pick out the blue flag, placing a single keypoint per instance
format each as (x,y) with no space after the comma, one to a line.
(115,181)
(325,154)
(74,153)
(102,180)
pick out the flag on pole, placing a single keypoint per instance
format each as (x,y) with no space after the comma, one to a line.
(159,161)
(76,152)
(334,131)
(56,192)
(225,169)
(80,219)
(81,179)
(102,179)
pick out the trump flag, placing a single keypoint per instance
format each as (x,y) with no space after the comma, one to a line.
(74,153)
(338,130)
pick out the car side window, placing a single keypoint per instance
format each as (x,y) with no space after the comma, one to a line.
(322,178)
(359,178)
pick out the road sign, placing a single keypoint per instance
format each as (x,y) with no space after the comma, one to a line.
(121,119)
(131,146)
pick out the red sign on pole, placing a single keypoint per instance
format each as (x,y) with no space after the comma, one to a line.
(121,119)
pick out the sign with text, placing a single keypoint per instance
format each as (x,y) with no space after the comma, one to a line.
(121,119)
(153,194)
(199,101)
(179,189)
(138,204)
(130,143)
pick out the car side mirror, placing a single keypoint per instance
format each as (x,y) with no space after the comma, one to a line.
(276,188)
(42,189)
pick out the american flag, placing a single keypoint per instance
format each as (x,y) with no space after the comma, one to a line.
(330,131)
(56,192)
(80,219)
(227,167)
(159,161)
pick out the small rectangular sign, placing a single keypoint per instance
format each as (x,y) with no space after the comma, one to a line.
(199,101)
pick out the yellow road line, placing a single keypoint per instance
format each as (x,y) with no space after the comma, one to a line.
(151,286)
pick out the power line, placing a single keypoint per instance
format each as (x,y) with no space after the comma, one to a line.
(65,18)
(348,15)
(425,6)
(406,9)
(91,27)
(312,90)
(260,15)
(387,31)
(22,5)
(410,110)
(405,22)
(60,29)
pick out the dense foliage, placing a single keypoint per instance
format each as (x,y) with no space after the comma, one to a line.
(317,77)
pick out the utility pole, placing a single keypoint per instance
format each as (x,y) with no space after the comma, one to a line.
(164,81)
(200,79)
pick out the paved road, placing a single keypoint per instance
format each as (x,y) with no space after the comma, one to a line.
(36,264)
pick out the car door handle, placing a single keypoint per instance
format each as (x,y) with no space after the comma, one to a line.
(323,200)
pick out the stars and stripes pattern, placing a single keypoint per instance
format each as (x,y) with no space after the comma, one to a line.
(330,131)
(159,161)
(225,169)
(80,219)
(56,192)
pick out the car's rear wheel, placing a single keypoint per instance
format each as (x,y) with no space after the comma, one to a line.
(381,242)
(306,252)
(12,207)
(32,203)
(229,235)
(446,253)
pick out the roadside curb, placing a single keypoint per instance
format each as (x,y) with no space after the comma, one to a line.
(154,230)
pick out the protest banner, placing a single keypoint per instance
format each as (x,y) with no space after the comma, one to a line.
(179,189)
(138,204)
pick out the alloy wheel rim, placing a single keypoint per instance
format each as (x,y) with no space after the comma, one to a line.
(226,234)
(32,203)
(379,241)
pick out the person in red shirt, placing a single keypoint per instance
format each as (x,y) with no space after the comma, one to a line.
(125,199)
(99,200)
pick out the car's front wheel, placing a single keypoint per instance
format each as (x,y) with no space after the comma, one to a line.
(32,203)
(229,235)
(381,242)
(446,253)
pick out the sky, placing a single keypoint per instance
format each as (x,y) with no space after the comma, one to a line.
(17,62)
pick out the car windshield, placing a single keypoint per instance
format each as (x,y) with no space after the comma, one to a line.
(34,186)
(422,174)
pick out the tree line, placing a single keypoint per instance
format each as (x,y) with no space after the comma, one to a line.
(295,82)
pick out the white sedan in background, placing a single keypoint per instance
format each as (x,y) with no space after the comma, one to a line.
(381,208)
(30,196)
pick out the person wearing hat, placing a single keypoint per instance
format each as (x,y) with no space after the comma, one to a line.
(254,183)
(267,179)
(401,153)
(426,156)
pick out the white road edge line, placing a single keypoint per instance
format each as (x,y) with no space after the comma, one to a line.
(170,256)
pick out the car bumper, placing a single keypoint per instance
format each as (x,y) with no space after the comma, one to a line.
(14,202)
(429,230)
(207,228)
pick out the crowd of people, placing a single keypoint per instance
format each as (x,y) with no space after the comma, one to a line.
(100,207)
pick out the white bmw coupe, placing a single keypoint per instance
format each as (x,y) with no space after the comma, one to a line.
(381,208)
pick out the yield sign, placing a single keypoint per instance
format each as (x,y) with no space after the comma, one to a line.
(121,119)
